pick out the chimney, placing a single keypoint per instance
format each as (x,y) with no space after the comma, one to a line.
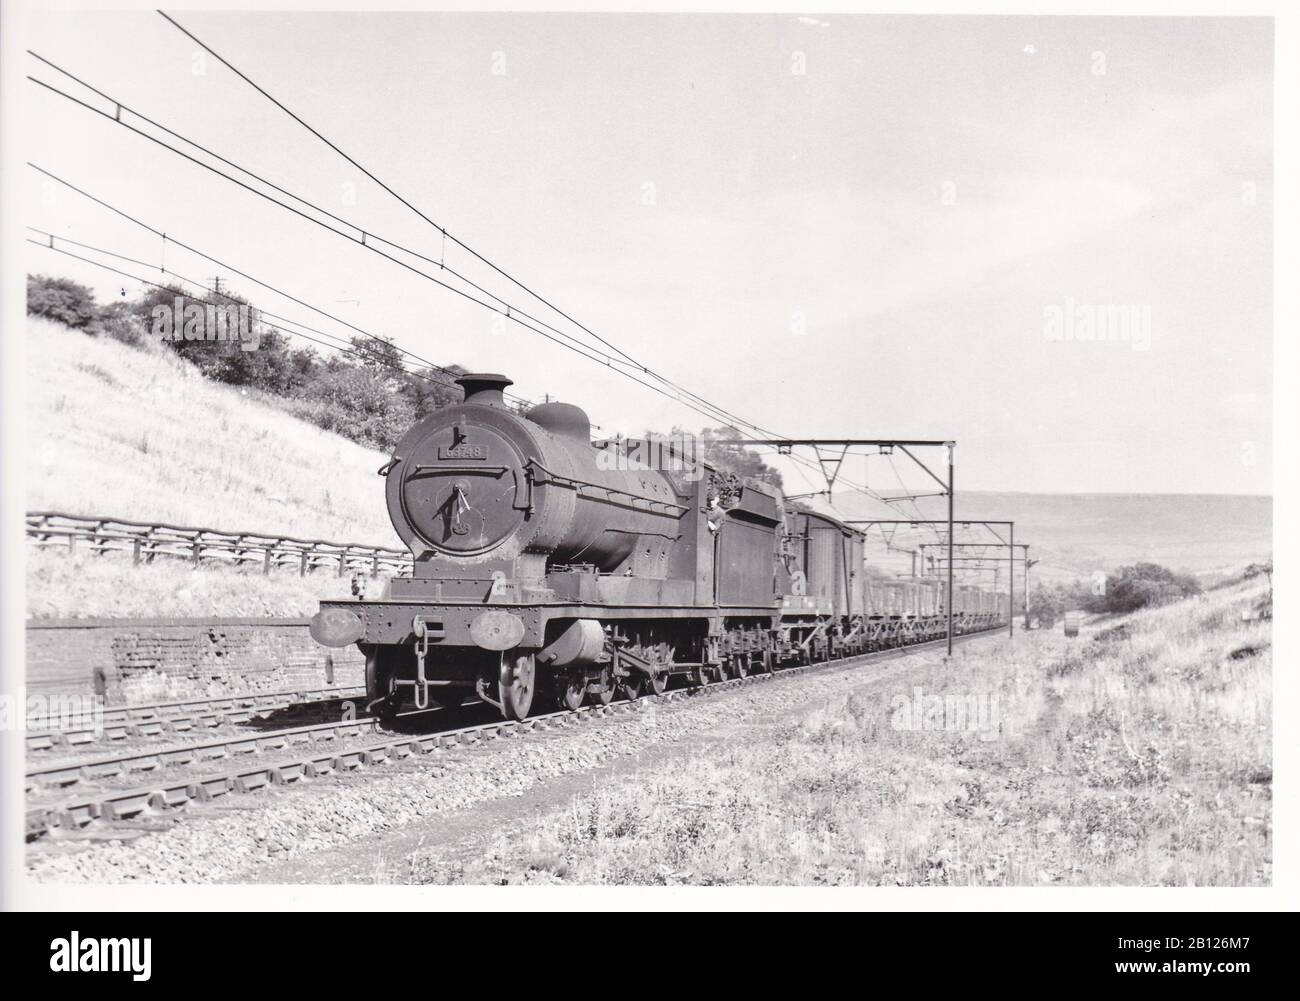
(484,388)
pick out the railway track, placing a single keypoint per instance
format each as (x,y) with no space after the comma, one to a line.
(159,718)
(315,761)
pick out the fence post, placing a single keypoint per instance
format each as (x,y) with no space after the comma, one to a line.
(135,551)
(343,560)
(302,564)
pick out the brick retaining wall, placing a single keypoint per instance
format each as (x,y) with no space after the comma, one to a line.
(143,660)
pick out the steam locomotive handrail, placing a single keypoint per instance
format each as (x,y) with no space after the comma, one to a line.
(579,484)
(444,468)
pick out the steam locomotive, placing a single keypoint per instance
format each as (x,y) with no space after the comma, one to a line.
(549,570)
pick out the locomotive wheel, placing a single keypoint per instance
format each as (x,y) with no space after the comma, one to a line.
(659,683)
(700,675)
(769,662)
(569,687)
(607,696)
(518,679)
(630,688)
(740,666)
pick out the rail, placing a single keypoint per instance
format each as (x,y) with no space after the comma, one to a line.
(308,759)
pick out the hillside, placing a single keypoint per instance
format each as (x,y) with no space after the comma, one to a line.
(138,434)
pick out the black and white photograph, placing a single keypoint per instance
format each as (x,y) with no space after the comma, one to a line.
(555,458)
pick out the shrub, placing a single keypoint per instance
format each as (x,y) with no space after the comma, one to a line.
(274,366)
(63,300)
(357,402)
(1145,584)
(120,321)
(1258,569)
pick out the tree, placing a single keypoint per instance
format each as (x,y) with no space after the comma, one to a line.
(733,458)
(378,353)
(1047,603)
(432,389)
(265,360)
(358,402)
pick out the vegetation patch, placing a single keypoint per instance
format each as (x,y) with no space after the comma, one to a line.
(1138,762)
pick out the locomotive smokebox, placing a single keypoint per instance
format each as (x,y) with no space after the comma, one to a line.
(481,485)
(485,389)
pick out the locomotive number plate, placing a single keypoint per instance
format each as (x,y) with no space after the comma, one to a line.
(463,452)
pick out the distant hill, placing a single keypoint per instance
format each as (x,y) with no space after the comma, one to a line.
(1075,534)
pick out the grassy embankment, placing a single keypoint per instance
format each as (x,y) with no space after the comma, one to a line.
(1136,754)
(139,434)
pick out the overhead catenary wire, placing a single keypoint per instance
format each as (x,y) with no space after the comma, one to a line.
(365,237)
(242,274)
(441,229)
(333,342)
(704,407)
(732,418)
(173,238)
(283,323)
(508,313)
(343,348)
(336,342)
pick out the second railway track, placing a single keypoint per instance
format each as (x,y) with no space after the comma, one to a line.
(160,718)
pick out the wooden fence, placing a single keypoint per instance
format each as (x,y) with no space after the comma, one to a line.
(147,540)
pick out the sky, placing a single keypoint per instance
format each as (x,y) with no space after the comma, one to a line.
(840,226)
